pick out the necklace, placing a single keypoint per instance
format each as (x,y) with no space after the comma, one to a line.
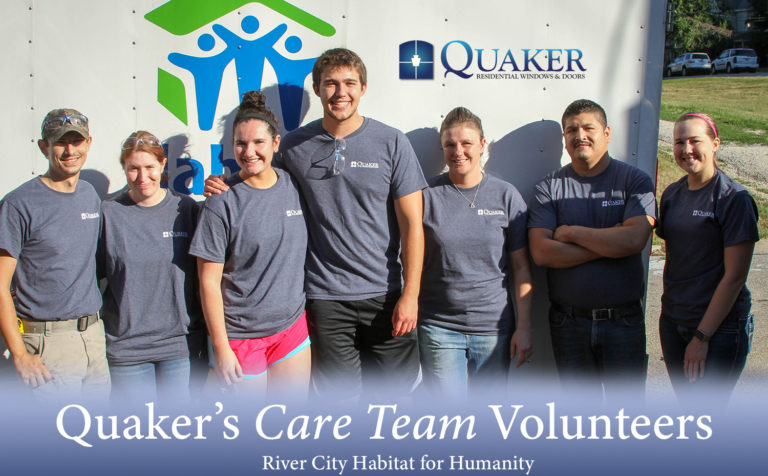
(471,202)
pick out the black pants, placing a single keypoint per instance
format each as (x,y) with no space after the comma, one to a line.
(353,350)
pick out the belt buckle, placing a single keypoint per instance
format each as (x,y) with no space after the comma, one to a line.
(82,323)
(603,314)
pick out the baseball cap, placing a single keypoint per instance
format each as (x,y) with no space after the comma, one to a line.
(60,121)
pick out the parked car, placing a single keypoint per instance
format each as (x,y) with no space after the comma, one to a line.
(735,59)
(690,63)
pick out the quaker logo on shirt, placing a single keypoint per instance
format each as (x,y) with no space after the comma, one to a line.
(703,213)
(613,203)
(488,213)
(294,213)
(364,165)
(89,216)
(175,234)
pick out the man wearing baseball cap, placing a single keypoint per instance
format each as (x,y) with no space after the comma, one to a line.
(49,229)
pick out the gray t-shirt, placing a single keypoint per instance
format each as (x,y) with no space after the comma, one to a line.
(698,225)
(261,237)
(53,236)
(618,193)
(151,296)
(464,285)
(354,237)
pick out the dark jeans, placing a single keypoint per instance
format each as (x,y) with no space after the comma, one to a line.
(726,356)
(353,349)
(596,356)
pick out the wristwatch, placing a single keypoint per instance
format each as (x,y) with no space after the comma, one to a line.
(701,336)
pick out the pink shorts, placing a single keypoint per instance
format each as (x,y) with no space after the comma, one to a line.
(257,354)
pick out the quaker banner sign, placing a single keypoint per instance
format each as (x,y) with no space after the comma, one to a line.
(178,68)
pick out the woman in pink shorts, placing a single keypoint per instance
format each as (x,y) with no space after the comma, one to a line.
(250,245)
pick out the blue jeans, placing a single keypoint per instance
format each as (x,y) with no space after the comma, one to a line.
(726,356)
(453,362)
(142,383)
(600,357)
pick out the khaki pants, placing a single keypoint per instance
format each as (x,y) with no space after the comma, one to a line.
(76,360)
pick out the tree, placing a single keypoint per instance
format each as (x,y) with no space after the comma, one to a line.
(696,28)
(758,29)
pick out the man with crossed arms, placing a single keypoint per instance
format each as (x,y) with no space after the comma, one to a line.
(588,224)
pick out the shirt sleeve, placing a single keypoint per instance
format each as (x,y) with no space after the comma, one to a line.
(517,231)
(407,176)
(662,212)
(211,239)
(13,228)
(541,213)
(738,219)
(641,197)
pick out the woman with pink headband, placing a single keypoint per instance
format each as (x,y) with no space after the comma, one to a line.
(709,223)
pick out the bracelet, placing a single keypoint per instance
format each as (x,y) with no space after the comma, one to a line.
(701,335)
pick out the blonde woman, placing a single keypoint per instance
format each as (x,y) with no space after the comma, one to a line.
(709,223)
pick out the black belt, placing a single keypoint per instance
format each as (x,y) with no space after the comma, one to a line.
(600,314)
(36,326)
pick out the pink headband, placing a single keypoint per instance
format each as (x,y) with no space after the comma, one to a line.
(705,119)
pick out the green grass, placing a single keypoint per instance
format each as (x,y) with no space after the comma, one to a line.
(762,210)
(738,104)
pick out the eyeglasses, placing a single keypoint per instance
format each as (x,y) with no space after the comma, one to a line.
(340,145)
(148,140)
(60,120)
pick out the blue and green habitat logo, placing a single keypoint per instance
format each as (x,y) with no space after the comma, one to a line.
(183,17)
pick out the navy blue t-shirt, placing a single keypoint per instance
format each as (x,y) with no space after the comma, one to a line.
(618,193)
(698,225)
